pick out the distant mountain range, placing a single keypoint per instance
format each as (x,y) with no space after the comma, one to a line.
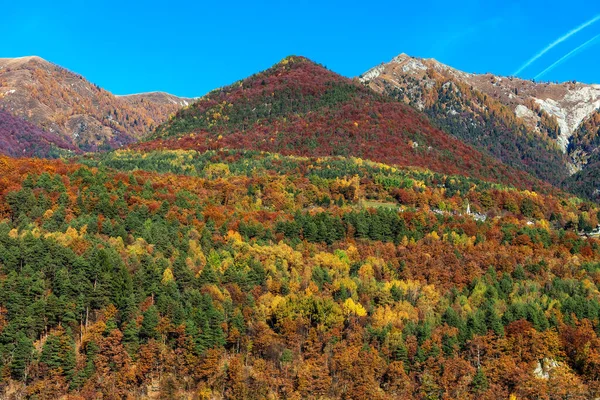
(83,114)
(549,131)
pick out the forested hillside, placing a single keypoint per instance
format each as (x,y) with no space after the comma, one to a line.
(486,123)
(535,126)
(584,147)
(249,275)
(78,111)
(300,108)
(19,138)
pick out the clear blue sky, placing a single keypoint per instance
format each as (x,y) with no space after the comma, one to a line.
(190,47)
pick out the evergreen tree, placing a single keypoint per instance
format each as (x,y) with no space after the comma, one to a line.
(21,356)
(480,381)
(149,324)
(59,353)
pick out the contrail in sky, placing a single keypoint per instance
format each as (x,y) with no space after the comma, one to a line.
(568,55)
(556,42)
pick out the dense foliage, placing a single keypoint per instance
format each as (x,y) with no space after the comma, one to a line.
(299,108)
(487,124)
(585,141)
(250,275)
(586,183)
(19,138)
(82,113)
(583,147)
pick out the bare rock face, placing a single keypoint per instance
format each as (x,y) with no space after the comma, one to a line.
(82,113)
(569,103)
(545,367)
(551,113)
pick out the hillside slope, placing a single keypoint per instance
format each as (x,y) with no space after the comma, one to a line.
(156,98)
(252,275)
(298,107)
(84,114)
(19,138)
(523,123)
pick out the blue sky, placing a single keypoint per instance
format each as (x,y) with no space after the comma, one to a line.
(190,47)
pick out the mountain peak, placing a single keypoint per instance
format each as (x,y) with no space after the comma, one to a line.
(18,61)
(292,58)
(62,102)
(408,64)
(295,61)
(298,107)
(401,58)
(498,108)
(418,64)
(32,58)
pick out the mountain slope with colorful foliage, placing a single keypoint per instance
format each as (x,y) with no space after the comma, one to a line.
(527,124)
(19,138)
(298,107)
(249,275)
(585,145)
(83,114)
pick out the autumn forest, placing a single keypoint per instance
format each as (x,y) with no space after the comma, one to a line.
(295,236)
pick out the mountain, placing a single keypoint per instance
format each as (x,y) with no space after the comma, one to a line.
(84,114)
(524,123)
(19,138)
(301,108)
(326,242)
(156,98)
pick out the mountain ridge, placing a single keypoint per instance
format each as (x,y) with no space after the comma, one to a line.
(87,116)
(328,115)
(524,123)
(298,235)
(559,98)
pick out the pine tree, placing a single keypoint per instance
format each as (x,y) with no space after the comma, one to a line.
(149,324)
(208,275)
(449,344)
(59,352)
(480,381)
(22,355)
